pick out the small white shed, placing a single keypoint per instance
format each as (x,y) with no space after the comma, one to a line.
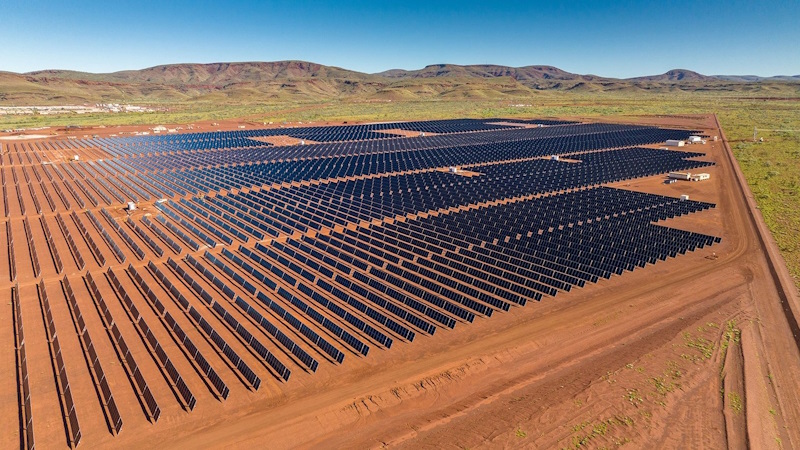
(680,175)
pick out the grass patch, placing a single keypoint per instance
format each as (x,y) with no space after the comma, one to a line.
(732,336)
(662,386)
(736,402)
(699,343)
(634,397)
(586,432)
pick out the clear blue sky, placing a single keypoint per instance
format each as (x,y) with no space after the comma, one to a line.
(609,38)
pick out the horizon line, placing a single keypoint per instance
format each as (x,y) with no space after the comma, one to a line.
(391,69)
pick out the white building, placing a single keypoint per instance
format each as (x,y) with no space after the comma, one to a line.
(674,143)
(680,175)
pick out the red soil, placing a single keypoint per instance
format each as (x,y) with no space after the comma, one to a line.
(638,359)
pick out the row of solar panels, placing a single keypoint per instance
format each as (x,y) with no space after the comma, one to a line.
(563,137)
(26,434)
(465,278)
(150,408)
(155,150)
(113,181)
(241,138)
(107,402)
(59,370)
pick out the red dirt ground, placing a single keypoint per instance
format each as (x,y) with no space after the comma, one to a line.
(694,352)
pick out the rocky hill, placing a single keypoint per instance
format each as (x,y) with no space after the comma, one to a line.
(249,82)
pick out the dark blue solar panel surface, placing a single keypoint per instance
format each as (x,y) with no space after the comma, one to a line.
(362,238)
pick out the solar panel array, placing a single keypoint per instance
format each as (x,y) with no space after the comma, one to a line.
(538,121)
(107,402)
(126,358)
(59,371)
(24,391)
(247,262)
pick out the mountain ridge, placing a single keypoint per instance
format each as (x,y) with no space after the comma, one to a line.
(294,80)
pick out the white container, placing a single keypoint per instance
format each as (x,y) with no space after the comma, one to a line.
(680,175)
(76,158)
(554,157)
(684,197)
(131,206)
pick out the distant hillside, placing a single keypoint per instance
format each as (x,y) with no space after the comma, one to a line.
(526,73)
(253,82)
(676,75)
(221,74)
(755,78)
